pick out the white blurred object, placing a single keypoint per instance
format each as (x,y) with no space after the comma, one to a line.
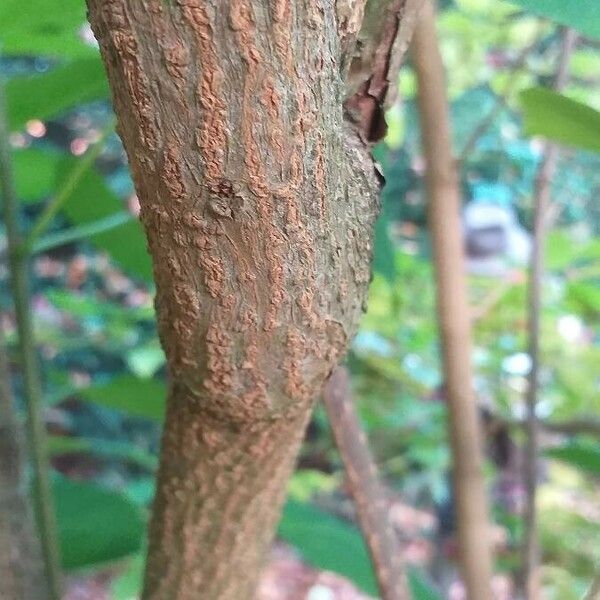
(494,239)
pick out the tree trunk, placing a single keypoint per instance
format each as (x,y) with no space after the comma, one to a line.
(258,202)
(444,204)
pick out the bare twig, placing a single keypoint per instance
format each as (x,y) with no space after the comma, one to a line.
(365,487)
(500,103)
(542,196)
(444,204)
(35,426)
(590,426)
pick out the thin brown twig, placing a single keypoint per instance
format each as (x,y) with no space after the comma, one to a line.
(444,201)
(542,197)
(500,104)
(365,487)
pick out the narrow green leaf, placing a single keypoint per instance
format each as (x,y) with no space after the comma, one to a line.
(91,201)
(561,119)
(137,397)
(48,94)
(95,525)
(108,449)
(582,455)
(583,15)
(80,232)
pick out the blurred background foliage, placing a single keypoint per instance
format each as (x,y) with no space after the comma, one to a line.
(104,370)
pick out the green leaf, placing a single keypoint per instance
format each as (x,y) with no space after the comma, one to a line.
(585,297)
(95,525)
(92,200)
(583,455)
(48,94)
(561,119)
(39,27)
(61,445)
(383,251)
(331,544)
(35,173)
(138,397)
(583,15)
(129,583)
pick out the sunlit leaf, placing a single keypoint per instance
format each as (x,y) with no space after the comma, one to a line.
(40,27)
(583,15)
(582,455)
(561,119)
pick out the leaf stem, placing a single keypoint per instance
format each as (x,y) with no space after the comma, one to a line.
(43,500)
(64,193)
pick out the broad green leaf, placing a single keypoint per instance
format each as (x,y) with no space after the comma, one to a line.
(582,455)
(108,449)
(49,94)
(138,397)
(95,525)
(92,200)
(331,544)
(561,119)
(583,15)
(35,173)
(40,27)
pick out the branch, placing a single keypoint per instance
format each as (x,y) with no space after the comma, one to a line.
(365,487)
(542,197)
(454,317)
(33,398)
(500,104)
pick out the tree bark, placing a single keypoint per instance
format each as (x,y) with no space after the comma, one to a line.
(453,310)
(258,202)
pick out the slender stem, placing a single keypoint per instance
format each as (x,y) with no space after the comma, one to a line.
(64,193)
(365,487)
(500,103)
(44,504)
(73,234)
(542,196)
(444,203)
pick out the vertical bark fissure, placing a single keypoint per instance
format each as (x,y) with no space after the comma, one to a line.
(258,204)
(444,205)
